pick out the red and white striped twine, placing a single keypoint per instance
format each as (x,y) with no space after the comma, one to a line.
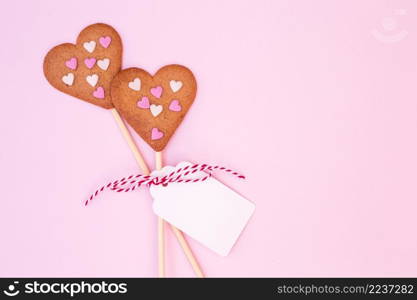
(130,183)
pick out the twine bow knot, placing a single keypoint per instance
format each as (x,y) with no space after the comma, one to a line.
(180,175)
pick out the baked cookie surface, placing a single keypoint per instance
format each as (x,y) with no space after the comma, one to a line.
(154,105)
(85,69)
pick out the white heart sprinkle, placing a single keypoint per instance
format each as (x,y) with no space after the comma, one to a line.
(90,46)
(68,79)
(103,63)
(175,85)
(92,79)
(135,84)
(156,109)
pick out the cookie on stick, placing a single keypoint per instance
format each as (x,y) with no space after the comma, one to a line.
(85,70)
(154,106)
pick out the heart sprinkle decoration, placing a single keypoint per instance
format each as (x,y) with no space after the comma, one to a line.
(105,41)
(175,85)
(71,63)
(135,84)
(175,105)
(156,134)
(92,79)
(143,103)
(90,46)
(99,93)
(90,62)
(156,109)
(68,79)
(103,63)
(157,91)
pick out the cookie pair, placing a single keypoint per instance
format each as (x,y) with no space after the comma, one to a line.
(90,70)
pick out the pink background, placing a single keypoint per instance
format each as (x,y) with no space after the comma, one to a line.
(300,96)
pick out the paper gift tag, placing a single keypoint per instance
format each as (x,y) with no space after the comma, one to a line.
(207,211)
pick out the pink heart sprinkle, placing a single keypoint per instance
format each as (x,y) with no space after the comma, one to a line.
(105,41)
(71,63)
(157,91)
(90,62)
(175,105)
(156,134)
(99,93)
(143,103)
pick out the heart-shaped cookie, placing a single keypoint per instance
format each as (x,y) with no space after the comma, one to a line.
(85,70)
(154,105)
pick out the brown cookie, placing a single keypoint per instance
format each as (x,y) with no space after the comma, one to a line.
(85,70)
(154,105)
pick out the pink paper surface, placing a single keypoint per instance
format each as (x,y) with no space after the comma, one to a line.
(314,101)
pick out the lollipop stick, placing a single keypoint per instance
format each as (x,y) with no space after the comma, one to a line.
(126,134)
(161,234)
(142,164)
(187,251)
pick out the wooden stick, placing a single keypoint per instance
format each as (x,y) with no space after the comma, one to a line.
(187,252)
(128,137)
(142,164)
(161,225)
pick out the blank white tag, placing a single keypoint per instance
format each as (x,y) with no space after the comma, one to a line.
(207,211)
